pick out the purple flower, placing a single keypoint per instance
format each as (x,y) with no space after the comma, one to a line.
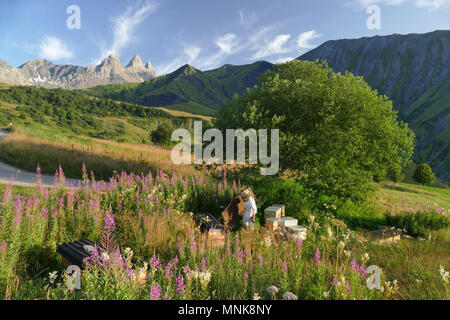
(245,276)
(348,287)
(299,244)
(335,280)
(260,260)
(155,292)
(284,267)
(109,222)
(354,265)
(317,256)
(155,263)
(180,286)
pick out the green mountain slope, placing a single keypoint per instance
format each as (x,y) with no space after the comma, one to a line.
(239,78)
(188,89)
(429,116)
(413,71)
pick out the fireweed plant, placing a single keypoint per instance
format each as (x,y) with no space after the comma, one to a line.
(151,249)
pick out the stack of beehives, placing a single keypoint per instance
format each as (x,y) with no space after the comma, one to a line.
(276,221)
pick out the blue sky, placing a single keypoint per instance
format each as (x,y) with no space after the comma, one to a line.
(203,33)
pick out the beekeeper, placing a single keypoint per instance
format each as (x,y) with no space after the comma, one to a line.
(249,207)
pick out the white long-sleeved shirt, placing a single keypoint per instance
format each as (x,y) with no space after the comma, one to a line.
(249,210)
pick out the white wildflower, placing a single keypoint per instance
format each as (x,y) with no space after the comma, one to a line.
(52,276)
(444,274)
(272,290)
(256,296)
(289,296)
(330,233)
(341,245)
(365,257)
(104,257)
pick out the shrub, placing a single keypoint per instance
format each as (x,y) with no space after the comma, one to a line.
(423,174)
(418,223)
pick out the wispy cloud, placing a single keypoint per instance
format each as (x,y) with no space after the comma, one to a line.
(275,46)
(429,4)
(189,55)
(125,25)
(52,48)
(227,43)
(247,19)
(304,39)
(283,59)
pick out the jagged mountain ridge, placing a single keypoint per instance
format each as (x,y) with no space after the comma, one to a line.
(43,73)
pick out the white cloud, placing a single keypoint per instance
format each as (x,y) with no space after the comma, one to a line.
(52,48)
(430,4)
(303,40)
(125,24)
(283,60)
(189,56)
(247,19)
(192,52)
(276,46)
(227,43)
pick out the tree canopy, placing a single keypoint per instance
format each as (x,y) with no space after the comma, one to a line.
(335,131)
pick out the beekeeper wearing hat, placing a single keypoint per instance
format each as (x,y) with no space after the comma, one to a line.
(249,207)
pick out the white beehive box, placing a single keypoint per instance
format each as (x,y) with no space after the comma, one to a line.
(287,222)
(272,212)
(283,208)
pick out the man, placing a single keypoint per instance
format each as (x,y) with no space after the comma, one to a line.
(249,207)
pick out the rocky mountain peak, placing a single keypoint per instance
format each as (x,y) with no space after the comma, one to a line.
(136,62)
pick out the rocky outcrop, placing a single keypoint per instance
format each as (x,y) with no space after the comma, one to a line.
(43,73)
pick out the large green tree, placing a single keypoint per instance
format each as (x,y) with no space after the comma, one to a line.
(335,131)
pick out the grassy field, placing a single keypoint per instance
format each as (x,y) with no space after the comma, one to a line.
(25,149)
(403,197)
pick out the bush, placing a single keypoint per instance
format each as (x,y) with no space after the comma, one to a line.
(423,174)
(418,223)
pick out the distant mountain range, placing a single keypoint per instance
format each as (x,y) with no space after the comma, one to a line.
(412,70)
(43,73)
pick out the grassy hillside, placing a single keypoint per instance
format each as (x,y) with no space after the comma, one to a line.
(188,89)
(184,85)
(239,78)
(429,116)
(67,128)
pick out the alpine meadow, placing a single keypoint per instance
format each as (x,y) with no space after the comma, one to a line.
(270,151)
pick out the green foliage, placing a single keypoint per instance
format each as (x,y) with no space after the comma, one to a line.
(419,223)
(163,133)
(424,174)
(334,130)
(397,175)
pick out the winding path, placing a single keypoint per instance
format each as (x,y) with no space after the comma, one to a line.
(23,178)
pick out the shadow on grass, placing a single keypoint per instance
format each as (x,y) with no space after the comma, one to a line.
(40,260)
(27,156)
